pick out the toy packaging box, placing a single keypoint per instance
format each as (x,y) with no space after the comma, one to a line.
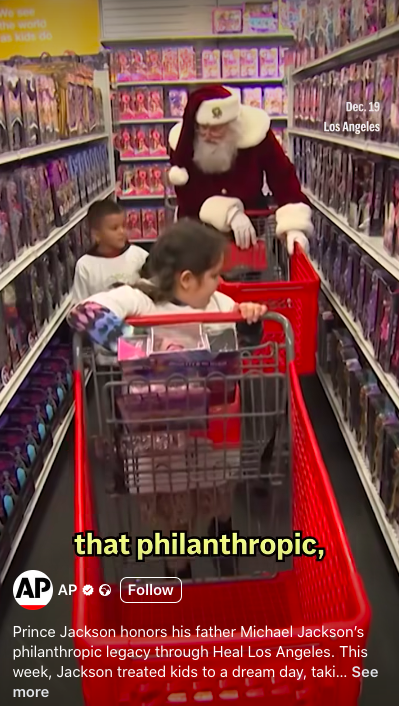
(269,63)
(185,350)
(273,100)
(137,69)
(227,20)
(29,109)
(260,18)
(153,60)
(156,179)
(156,140)
(177,101)
(32,205)
(288,14)
(249,63)
(13,108)
(4,141)
(252,97)
(389,486)
(161,217)
(139,104)
(140,141)
(155,103)
(141,181)
(231,63)
(11,204)
(36,282)
(126,104)
(149,223)
(187,63)
(17,310)
(6,243)
(133,224)
(210,62)
(170,64)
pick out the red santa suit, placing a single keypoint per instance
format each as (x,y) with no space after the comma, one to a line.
(216,198)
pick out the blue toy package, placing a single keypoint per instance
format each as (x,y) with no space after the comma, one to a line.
(81,167)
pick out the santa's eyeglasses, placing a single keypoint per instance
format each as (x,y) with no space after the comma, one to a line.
(212,130)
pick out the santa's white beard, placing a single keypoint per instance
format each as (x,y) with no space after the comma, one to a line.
(215,158)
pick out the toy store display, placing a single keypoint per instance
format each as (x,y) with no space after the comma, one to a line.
(328,25)
(364,407)
(372,86)
(185,64)
(144,180)
(44,102)
(362,189)
(35,199)
(367,292)
(146,223)
(28,303)
(28,429)
(141,141)
(139,105)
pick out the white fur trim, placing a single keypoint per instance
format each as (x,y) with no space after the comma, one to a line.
(218,111)
(174,135)
(253,124)
(294,216)
(178,176)
(217,211)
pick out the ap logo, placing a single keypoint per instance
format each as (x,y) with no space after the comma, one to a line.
(33,590)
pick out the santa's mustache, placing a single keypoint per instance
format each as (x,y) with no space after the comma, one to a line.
(213,158)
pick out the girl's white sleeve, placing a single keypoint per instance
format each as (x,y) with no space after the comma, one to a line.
(224,303)
(124,301)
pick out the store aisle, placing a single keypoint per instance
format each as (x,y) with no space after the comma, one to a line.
(48,548)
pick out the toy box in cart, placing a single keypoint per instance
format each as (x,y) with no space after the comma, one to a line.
(166,357)
(325,597)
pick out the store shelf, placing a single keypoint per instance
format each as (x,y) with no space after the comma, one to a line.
(266,38)
(32,356)
(386,379)
(389,532)
(31,254)
(202,82)
(36,151)
(58,439)
(377,43)
(137,158)
(373,246)
(161,121)
(384,149)
(125,197)
(147,121)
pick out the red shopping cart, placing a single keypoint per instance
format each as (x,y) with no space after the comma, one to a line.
(289,286)
(224,441)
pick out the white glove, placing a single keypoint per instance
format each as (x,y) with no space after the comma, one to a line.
(244,232)
(296,236)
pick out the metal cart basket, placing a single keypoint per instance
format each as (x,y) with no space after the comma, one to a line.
(225,420)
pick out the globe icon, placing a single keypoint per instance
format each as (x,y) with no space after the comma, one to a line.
(105,590)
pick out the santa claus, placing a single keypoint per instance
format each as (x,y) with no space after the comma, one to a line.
(219,154)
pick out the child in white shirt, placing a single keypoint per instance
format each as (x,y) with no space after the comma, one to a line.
(112,259)
(184,267)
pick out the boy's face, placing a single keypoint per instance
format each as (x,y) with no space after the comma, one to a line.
(111,233)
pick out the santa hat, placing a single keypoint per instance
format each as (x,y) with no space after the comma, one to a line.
(210,105)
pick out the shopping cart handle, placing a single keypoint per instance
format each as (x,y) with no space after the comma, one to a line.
(215,318)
